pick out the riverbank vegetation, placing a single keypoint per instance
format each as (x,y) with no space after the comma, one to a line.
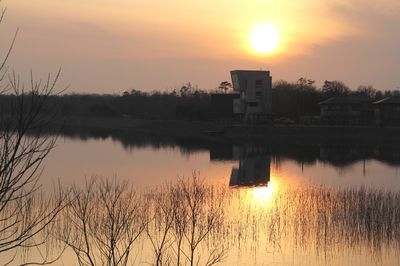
(290,99)
(189,222)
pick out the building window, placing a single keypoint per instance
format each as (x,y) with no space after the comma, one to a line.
(259,83)
(258,94)
(252,104)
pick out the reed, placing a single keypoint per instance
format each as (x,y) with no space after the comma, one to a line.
(189,222)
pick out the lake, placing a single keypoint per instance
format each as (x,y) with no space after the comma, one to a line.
(285,204)
(149,162)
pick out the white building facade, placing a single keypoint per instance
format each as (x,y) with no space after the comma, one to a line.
(255,89)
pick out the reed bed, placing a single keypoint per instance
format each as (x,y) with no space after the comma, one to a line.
(316,220)
(192,223)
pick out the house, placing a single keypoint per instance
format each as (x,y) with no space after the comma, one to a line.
(387,111)
(255,90)
(347,110)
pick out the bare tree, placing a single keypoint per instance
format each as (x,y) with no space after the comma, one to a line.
(369,91)
(224,87)
(75,228)
(335,88)
(183,218)
(204,212)
(180,222)
(103,222)
(3,67)
(119,221)
(162,210)
(23,148)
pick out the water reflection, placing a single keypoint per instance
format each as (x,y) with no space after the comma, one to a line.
(254,167)
(265,216)
(129,155)
(335,152)
(263,194)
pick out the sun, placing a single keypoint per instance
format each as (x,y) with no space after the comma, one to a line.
(265,38)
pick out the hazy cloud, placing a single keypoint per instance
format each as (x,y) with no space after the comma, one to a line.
(106,45)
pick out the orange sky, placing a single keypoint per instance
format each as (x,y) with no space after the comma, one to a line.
(111,46)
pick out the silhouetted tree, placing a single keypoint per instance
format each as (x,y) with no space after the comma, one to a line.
(203,216)
(295,99)
(186,90)
(24,214)
(305,84)
(162,208)
(367,91)
(103,222)
(335,88)
(224,87)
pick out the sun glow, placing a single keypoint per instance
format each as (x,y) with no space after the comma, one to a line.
(265,38)
(263,194)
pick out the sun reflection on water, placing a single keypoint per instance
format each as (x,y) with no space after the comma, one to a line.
(262,194)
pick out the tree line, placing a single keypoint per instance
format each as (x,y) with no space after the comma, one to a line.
(289,99)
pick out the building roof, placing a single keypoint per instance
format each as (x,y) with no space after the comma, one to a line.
(251,71)
(389,100)
(344,100)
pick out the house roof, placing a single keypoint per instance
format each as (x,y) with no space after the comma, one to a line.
(389,100)
(351,99)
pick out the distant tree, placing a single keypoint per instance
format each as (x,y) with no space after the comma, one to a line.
(282,85)
(297,99)
(335,88)
(135,92)
(284,99)
(186,90)
(387,93)
(366,90)
(224,87)
(305,84)
(174,93)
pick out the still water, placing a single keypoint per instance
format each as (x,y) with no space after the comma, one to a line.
(317,204)
(146,163)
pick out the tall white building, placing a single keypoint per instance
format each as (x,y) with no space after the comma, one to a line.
(255,89)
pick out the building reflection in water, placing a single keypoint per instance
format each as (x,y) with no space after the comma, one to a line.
(253,170)
(254,160)
(254,164)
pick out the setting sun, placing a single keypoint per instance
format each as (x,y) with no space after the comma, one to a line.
(265,38)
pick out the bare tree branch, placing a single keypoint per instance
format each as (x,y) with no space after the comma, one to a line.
(25,215)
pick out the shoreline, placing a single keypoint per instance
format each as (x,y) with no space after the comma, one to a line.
(230,131)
